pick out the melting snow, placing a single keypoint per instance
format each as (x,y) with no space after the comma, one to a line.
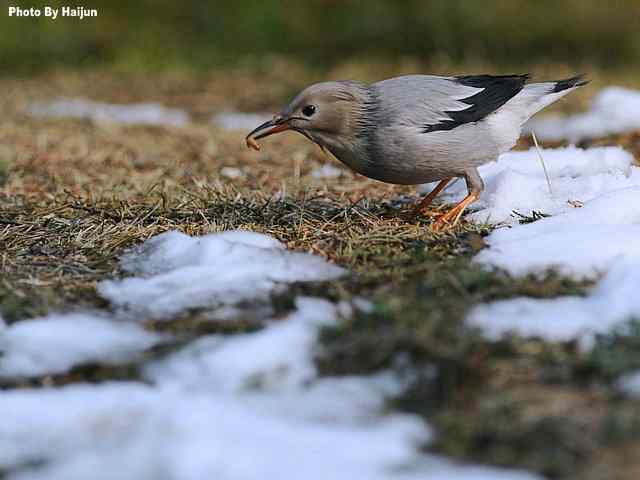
(239,121)
(613,110)
(612,302)
(593,231)
(179,272)
(55,343)
(630,384)
(232,172)
(279,352)
(517,181)
(582,242)
(326,171)
(237,407)
(131,114)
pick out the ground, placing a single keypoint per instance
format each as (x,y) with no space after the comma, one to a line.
(75,195)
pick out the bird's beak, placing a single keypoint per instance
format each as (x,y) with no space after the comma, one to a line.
(276,125)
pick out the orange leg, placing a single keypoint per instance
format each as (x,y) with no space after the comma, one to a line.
(426,201)
(455,213)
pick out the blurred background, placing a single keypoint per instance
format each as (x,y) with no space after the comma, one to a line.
(193,34)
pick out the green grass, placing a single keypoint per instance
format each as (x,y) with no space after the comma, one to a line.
(161,34)
(614,353)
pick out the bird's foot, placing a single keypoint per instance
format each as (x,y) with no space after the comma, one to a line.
(451,218)
(421,208)
(443,221)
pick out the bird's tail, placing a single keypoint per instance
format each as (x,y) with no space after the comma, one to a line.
(539,95)
(573,82)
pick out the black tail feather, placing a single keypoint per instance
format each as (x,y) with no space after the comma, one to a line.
(576,81)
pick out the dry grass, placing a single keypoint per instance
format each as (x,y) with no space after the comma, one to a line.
(77,194)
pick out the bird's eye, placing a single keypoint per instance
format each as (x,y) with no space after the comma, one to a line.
(309,110)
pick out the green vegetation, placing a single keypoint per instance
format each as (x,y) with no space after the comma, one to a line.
(544,406)
(6,161)
(615,353)
(162,34)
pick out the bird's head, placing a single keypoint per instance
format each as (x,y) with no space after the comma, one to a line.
(327,113)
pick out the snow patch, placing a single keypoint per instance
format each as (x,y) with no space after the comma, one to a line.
(613,110)
(129,114)
(327,171)
(239,121)
(516,182)
(595,219)
(611,303)
(179,272)
(238,408)
(630,384)
(129,431)
(55,343)
(582,242)
(278,353)
(232,172)
(593,231)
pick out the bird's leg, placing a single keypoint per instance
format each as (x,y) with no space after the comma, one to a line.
(475,185)
(426,201)
(455,213)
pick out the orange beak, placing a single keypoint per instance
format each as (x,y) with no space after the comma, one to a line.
(276,125)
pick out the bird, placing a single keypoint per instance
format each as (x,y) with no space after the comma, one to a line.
(417,129)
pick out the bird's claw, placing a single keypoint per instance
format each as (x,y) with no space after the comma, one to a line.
(441,223)
(454,214)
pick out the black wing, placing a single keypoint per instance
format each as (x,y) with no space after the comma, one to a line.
(496,91)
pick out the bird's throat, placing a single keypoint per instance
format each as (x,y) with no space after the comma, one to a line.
(353,153)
